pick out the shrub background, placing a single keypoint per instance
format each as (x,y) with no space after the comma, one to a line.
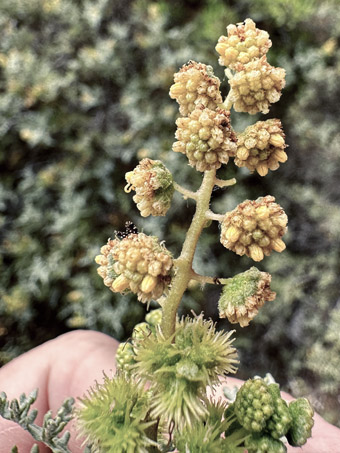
(84,95)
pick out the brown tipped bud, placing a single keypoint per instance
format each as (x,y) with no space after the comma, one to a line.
(206,137)
(255,86)
(243,296)
(154,187)
(243,44)
(261,147)
(195,84)
(255,228)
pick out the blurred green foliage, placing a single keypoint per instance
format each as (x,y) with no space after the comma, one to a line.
(84,95)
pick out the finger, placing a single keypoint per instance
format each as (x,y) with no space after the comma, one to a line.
(60,368)
(89,355)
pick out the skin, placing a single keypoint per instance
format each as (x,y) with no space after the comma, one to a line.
(70,364)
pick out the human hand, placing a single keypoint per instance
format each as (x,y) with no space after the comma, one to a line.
(70,364)
(66,366)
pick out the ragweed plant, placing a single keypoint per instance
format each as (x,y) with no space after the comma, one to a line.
(157,401)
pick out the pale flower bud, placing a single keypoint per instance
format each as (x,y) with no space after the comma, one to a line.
(195,84)
(154,187)
(255,86)
(206,137)
(138,263)
(255,228)
(243,44)
(261,147)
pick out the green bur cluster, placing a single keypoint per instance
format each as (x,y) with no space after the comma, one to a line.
(117,414)
(267,418)
(180,367)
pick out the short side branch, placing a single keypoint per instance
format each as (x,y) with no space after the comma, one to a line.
(212,216)
(203,279)
(225,183)
(185,192)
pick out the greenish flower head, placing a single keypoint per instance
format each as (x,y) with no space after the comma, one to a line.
(281,420)
(258,443)
(244,294)
(302,422)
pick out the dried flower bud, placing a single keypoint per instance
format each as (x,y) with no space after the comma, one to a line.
(154,188)
(243,44)
(138,263)
(260,224)
(255,86)
(206,137)
(243,296)
(261,147)
(195,84)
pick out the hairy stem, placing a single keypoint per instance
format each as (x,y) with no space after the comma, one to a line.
(227,104)
(212,216)
(183,265)
(185,192)
(225,182)
(203,279)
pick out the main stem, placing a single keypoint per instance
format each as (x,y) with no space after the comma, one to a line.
(183,265)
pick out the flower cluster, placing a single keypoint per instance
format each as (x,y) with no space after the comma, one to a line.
(261,147)
(206,137)
(255,228)
(195,84)
(255,86)
(260,410)
(138,263)
(243,296)
(243,44)
(154,188)
(253,405)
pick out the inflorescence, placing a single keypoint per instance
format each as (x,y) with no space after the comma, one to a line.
(176,359)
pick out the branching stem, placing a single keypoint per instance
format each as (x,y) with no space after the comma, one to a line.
(185,192)
(183,265)
(203,279)
(225,183)
(212,216)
